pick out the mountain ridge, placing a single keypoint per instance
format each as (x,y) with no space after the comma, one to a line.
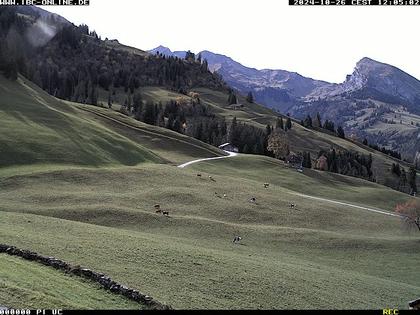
(367,103)
(290,85)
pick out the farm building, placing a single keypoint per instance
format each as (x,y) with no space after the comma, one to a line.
(294,160)
(228,147)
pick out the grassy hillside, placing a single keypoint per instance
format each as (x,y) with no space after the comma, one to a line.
(311,182)
(29,285)
(38,129)
(319,255)
(174,147)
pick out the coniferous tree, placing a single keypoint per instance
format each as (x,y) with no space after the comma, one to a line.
(288,124)
(176,125)
(395,169)
(10,70)
(279,123)
(403,180)
(267,130)
(234,133)
(149,115)
(137,103)
(412,175)
(340,132)
(160,119)
(308,122)
(109,100)
(190,56)
(250,97)
(307,160)
(329,125)
(317,121)
(204,66)
(129,103)
(170,122)
(232,98)
(93,94)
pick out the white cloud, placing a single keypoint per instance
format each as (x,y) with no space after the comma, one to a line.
(319,42)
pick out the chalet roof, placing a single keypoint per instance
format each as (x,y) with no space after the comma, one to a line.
(224,145)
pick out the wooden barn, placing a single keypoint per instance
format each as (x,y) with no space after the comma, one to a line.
(228,147)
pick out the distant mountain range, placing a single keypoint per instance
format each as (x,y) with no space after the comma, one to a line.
(377,101)
(279,89)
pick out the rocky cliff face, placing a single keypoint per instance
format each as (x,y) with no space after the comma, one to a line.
(371,78)
(386,79)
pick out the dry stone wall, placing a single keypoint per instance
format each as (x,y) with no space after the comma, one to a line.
(100,278)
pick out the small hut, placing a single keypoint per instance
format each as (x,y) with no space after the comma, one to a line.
(294,160)
(228,147)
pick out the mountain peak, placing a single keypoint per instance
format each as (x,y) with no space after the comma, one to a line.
(167,52)
(161,49)
(366,60)
(369,64)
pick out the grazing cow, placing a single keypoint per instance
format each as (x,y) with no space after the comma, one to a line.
(266,185)
(253,200)
(165,213)
(224,196)
(198,175)
(157,208)
(211,178)
(237,239)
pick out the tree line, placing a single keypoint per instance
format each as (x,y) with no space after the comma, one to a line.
(346,163)
(407,182)
(384,150)
(308,122)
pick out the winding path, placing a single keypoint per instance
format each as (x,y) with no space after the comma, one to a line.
(381,211)
(231,154)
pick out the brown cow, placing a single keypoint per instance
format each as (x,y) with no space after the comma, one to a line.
(157,207)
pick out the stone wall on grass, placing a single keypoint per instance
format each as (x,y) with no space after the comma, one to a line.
(103,280)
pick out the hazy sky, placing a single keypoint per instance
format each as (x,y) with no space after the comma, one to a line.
(319,42)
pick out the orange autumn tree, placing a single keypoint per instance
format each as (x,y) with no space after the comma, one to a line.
(410,210)
(278,143)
